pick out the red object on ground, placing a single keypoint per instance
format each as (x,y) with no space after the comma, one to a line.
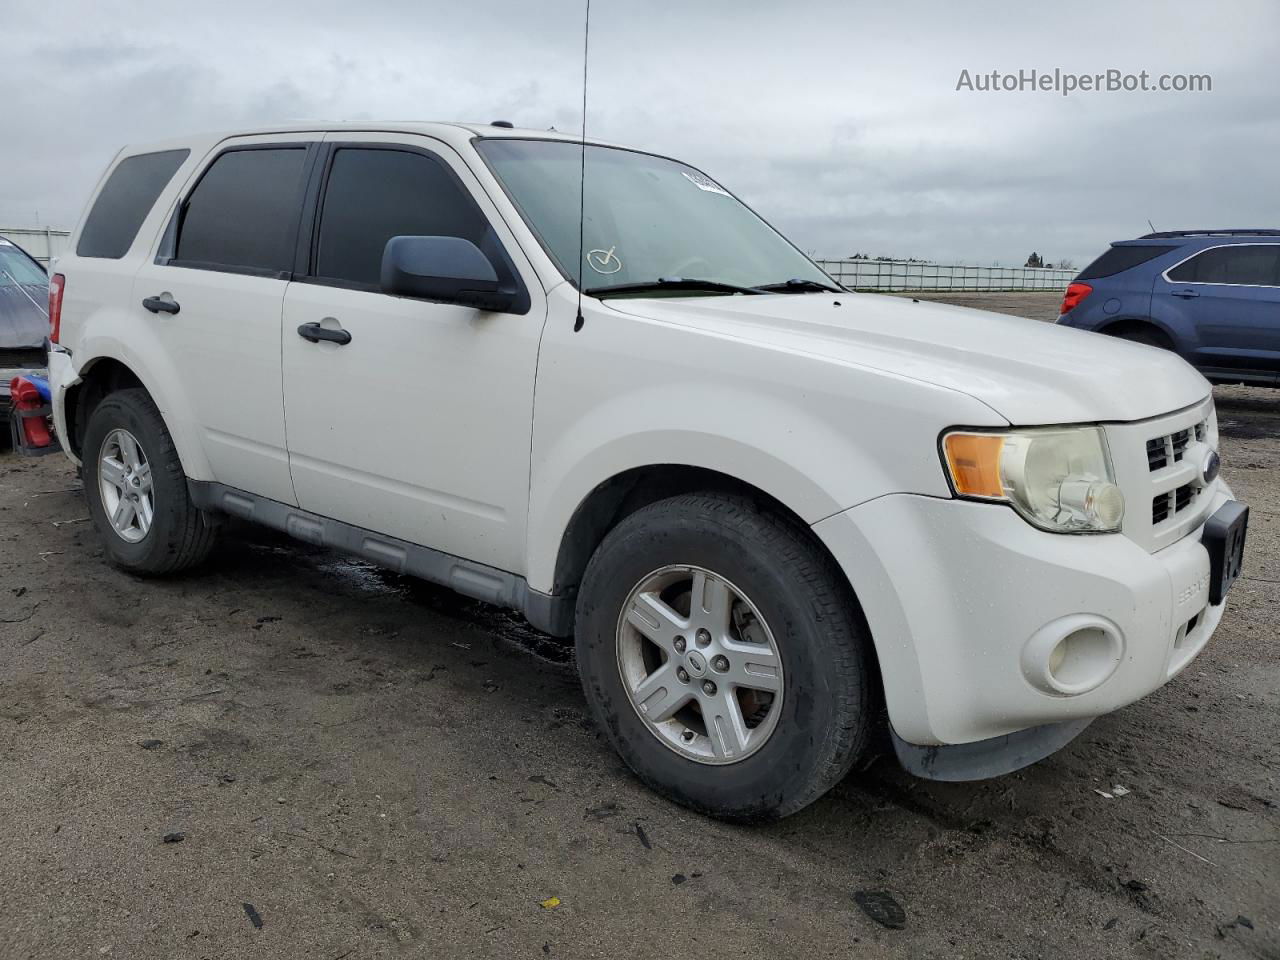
(26,399)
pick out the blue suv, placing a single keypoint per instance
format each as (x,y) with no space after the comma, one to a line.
(1212,296)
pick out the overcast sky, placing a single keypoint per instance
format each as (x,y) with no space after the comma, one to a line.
(840,122)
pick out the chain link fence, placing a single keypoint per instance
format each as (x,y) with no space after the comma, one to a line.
(908,275)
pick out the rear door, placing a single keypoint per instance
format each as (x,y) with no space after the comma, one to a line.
(1231,296)
(219,280)
(420,426)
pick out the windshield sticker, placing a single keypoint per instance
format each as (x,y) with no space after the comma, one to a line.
(705,183)
(604,261)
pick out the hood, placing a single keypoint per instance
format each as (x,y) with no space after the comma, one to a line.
(1027,371)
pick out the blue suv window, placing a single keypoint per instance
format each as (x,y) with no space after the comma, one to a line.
(1256,265)
(1121,258)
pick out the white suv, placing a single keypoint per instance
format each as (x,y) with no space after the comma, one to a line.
(770,510)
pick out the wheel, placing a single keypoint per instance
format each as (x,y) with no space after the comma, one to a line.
(724,656)
(137,490)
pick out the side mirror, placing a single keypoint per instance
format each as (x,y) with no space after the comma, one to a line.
(444,270)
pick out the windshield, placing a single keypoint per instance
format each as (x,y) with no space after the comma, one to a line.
(17,267)
(647,219)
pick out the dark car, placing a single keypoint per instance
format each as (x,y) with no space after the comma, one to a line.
(1212,296)
(24,320)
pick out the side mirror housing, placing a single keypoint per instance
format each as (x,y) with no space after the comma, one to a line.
(443,270)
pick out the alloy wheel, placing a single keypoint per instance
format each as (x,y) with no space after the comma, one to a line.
(124,483)
(699,664)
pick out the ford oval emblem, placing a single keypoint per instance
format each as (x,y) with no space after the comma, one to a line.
(1210,468)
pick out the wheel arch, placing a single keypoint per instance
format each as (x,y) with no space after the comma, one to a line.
(1121,325)
(106,373)
(622,494)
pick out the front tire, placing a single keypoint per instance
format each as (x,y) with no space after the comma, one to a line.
(722,652)
(137,490)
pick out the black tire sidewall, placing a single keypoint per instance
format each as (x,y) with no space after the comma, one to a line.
(133,411)
(793,767)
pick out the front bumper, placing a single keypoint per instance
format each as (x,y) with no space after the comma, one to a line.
(962,597)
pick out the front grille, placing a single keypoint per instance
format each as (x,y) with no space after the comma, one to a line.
(1157,463)
(1170,448)
(1165,505)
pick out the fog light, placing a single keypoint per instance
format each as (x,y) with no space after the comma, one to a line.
(1073,655)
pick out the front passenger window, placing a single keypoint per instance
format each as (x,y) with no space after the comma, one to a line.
(376,194)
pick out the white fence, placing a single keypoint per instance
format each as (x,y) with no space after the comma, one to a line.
(41,242)
(904,275)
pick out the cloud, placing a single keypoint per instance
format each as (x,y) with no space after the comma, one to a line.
(840,122)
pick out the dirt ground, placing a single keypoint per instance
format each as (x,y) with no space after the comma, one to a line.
(290,754)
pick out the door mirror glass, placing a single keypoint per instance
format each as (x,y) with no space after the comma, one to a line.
(443,270)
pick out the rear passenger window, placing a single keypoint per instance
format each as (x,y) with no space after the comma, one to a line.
(374,195)
(124,202)
(243,214)
(1251,264)
(1121,258)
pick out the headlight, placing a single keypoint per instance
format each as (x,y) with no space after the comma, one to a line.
(1059,479)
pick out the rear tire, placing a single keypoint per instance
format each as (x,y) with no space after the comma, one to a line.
(784,594)
(137,490)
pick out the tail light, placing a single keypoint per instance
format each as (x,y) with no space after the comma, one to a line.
(56,284)
(1075,293)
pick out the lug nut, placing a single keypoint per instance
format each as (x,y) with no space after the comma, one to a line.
(721,664)
(680,644)
(704,637)
(708,688)
(682,674)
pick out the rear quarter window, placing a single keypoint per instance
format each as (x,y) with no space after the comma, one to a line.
(124,202)
(1118,259)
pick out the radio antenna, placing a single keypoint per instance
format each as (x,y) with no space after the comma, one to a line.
(582,171)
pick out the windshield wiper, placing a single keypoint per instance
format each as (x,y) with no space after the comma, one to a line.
(798,286)
(670,283)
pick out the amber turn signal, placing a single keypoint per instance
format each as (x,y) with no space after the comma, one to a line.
(974,462)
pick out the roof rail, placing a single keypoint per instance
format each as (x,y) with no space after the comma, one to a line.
(1224,232)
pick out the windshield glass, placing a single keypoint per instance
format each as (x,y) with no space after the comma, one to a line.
(647,218)
(17,267)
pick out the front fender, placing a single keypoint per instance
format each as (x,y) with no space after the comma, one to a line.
(814,434)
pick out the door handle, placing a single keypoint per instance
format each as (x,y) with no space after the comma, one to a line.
(161,304)
(315,333)
(1186,294)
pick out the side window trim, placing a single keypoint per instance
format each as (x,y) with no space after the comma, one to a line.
(309,232)
(1211,283)
(165,254)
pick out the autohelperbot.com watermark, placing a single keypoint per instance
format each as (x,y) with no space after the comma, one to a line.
(1065,83)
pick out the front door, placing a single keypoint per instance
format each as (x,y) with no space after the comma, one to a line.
(418,427)
(1231,296)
